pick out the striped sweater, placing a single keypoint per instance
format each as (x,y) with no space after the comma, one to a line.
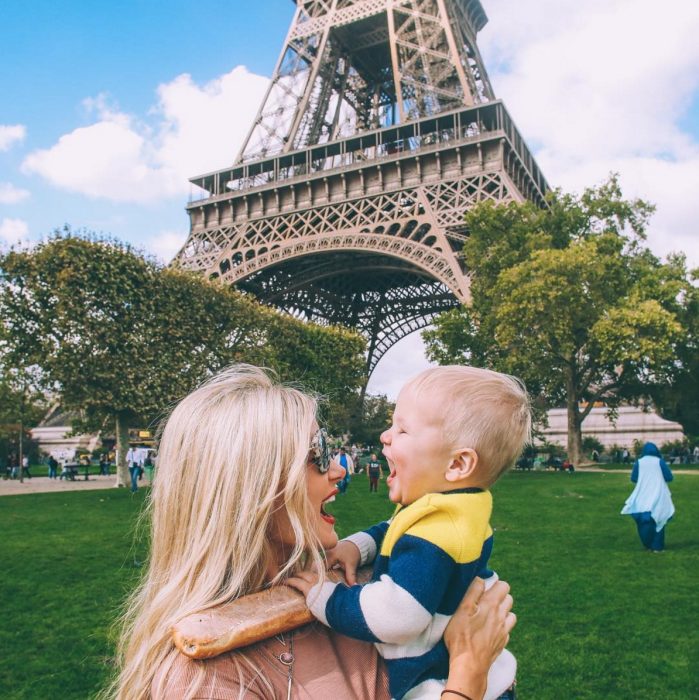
(425,558)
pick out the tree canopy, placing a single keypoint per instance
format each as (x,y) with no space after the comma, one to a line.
(569,299)
(120,339)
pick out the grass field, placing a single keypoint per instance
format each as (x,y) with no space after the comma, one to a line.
(598,617)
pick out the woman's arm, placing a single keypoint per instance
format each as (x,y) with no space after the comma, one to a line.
(476,634)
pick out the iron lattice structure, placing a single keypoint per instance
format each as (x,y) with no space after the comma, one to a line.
(346,204)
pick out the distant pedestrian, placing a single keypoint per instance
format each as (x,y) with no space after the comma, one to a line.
(650,503)
(374,471)
(625,456)
(53,467)
(25,467)
(149,467)
(134,468)
(104,464)
(345,461)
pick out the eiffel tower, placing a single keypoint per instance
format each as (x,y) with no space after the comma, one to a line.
(346,204)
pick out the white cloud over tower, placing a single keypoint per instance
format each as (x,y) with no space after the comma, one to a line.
(148,158)
(607,85)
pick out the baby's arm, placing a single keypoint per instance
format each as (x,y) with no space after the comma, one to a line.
(356,550)
(395,609)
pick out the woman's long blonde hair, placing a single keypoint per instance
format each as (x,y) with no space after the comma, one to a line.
(230,454)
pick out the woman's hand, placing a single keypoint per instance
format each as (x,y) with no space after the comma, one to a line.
(476,634)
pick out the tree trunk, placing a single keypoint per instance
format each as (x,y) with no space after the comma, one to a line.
(574,422)
(122,447)
(21,449)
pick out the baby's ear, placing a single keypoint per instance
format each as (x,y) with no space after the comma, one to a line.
(462,466)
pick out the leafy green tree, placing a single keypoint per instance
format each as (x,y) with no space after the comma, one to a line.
(120,339)
(569,299)
(326,359)
(117,337)
(375,417)
(678,399)
(22,406)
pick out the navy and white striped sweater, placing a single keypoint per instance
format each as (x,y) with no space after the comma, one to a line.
(425,558)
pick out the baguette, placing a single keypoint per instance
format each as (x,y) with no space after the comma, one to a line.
(244,621)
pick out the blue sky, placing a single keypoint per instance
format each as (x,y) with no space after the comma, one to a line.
(63,52)
(108,107)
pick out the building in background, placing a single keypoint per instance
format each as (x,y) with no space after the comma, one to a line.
(632,424)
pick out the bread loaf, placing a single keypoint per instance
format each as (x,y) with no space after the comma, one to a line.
(244,621)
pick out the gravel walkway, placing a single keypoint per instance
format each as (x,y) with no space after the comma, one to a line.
(42,484)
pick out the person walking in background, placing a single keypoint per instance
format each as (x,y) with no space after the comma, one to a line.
(13,465)
(53,467)
(25,467)
(149,467)
(345,461)
(134,468)
(374,471)
(104,464)
(650,503)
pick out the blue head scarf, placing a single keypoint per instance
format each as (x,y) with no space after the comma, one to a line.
(650,450)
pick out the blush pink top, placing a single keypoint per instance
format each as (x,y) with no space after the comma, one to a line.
(327,665)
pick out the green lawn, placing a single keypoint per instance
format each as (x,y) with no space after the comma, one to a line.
(598,617)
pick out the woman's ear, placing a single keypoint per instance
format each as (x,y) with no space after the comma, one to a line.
(462,466)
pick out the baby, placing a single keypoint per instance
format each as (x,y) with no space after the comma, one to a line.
(455,431)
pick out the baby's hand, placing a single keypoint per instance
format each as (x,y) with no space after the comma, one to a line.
(345,555)
(303,581)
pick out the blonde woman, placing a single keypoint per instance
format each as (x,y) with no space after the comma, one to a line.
(238,507)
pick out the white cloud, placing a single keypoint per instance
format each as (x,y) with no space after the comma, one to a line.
(108,159)
(195,129)
(166,244)
(596,88)
(13,231)
(9,135)
(203,128)
(9,194)
(402,361)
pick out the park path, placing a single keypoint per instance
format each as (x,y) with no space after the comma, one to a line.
(628,471)
(42,484)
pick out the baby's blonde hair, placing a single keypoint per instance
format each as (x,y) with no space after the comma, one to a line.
(485,410)
(231,453)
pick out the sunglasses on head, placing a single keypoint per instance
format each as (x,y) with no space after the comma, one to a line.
(319,453)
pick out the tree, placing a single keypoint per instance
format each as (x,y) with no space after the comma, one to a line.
(21,400)
(569,299)
(326,359)
(375,417)
(678,399)
(22,406)
(115,336)
(121,339)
